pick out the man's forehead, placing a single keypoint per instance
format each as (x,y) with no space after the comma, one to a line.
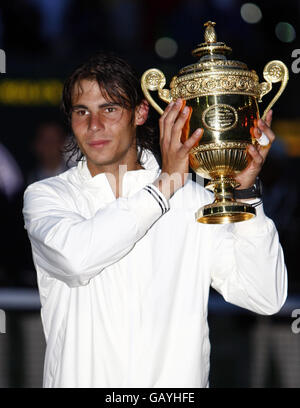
(88,88)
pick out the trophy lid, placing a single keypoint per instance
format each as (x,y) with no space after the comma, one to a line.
(212,53)
(211,49)
(213,73)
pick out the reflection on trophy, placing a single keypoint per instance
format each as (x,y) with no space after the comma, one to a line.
(223,95)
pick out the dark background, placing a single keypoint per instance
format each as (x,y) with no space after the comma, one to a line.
(47,39)
(44,40)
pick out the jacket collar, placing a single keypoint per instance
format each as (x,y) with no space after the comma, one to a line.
(132,181)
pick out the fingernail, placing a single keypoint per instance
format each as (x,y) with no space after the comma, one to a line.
(185,110)
(178,102)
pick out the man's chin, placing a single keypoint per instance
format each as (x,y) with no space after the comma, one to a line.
(103,164)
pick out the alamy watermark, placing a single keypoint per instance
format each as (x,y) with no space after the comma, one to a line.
(296,323)
(296,63)
(2,322)
(2,62)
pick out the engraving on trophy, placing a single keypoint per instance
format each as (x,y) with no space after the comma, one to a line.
(192,86)
(220,117)
(274,72)
(215,83)
(207,65)
(155,80)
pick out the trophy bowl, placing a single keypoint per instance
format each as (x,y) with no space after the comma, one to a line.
(223,96)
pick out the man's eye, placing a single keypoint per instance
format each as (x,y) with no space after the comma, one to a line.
(81,112)
(110,109)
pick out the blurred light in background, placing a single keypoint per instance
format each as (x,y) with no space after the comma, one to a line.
(166,47)
(251,13)
(30,92)
(285,32)
(52,16)
(223,4)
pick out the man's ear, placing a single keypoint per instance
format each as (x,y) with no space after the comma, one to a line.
(141,113)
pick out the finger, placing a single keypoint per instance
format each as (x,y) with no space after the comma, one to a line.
(192,141)
(178,126)
(169,120)
(167,109)
(265,135)
(264,128)
(182,105)
(162,118)
(257,157)
(269,117)
(186,128)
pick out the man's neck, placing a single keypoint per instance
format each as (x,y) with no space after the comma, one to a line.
(115,174)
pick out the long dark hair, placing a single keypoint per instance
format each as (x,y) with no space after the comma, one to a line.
(118,80)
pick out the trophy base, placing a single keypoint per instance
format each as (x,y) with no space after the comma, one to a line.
(225,212)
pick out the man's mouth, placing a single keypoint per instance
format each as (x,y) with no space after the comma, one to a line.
(98,143)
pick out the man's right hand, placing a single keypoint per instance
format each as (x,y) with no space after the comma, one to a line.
(175,153)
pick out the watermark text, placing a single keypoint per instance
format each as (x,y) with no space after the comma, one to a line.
(296,322)
(2,322)
(296,63)
(2,62)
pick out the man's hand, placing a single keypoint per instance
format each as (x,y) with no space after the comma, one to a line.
(258,153)
(175,153)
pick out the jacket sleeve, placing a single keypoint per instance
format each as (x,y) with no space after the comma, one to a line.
(248,267)
(74,249)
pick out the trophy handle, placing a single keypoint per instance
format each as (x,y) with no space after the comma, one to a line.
(274,71)
(154,80)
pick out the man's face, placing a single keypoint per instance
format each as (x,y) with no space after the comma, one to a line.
(105,132)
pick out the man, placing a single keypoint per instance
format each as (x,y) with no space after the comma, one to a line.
(123,269)
(48,146)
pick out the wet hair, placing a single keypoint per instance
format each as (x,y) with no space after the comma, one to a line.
(120,84)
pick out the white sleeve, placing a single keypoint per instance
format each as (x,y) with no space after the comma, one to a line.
(74,249)
(248,267)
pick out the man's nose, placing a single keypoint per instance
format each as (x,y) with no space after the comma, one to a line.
(95,122)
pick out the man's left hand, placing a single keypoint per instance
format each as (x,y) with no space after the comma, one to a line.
(246,178)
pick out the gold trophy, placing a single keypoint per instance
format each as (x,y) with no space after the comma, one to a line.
(223,95)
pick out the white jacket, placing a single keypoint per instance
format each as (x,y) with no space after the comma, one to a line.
(124,289)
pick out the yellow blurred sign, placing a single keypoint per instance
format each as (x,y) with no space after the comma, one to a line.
(289,131)
(30,92)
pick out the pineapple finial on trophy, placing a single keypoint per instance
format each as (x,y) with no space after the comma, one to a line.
(210,35)
(211,48)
